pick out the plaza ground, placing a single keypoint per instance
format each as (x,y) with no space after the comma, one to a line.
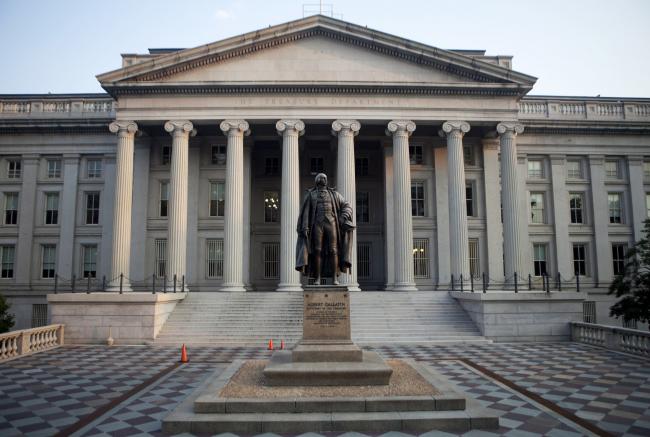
(555,389)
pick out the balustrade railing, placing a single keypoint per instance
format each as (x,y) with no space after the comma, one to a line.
(35,106)
(631,341)
(542,108)
(28,341)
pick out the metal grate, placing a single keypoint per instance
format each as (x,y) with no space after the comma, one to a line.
(421,257)
(271,260)
(214,258)
(39,315)
(363,260)
(160,246)
(474,260)
(589,312)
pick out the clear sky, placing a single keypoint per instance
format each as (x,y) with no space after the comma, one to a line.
(574,47)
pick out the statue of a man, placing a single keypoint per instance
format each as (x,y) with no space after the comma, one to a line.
(325,227)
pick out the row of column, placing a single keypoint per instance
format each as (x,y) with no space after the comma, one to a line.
(290,130)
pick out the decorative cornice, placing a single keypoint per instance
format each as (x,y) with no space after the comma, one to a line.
(345,127)
(289,126)
(400,127)
(508,127)
(237,127)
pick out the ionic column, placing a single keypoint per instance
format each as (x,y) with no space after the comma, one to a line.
(513,252)
(121,255)
(345,131)
(459,243)
(289,203)
(233,279)
(401,130)
(177,231)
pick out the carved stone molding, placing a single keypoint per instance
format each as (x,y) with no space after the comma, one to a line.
(180,127)
(290,125)
(123,127)
(235,126)
(458,127)
(508,127)
(345,127)
(400,127)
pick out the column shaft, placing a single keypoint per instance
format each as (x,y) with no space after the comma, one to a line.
(177,231)
(289,203)
(345,130)
(404,277)
(121,254)
(233,279)
(494,227)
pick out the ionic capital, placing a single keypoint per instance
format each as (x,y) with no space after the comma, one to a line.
(180,127)
(290,126)
(400,127)
(345,127)
(455,127)
(236,127)
(509,127)
(123,127)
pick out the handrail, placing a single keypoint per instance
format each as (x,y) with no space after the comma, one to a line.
(631,341)
(28,341)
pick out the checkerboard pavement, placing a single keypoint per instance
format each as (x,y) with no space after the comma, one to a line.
(46,393)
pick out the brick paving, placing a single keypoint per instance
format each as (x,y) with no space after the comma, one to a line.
(48,392)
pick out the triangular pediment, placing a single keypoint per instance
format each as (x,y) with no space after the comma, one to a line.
(315,51)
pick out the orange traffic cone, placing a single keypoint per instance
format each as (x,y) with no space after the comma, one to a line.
(270,345)
(281,344)
(184,354)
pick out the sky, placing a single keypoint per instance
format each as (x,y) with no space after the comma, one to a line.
(573,47)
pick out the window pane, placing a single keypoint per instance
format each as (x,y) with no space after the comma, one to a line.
(271,207)
(7,254)
(421,257)
(53,168)
(615,208)
(535,169)
(48,261)
(469,198)
(92,208)
(217,199)
(94,168)
(164,198)
(417,199)
(160,253)
(214,258)
(579,260)
(271,260)
(576,207)
(89,256)
(415,154)
(363,211)
(574,170)
(361,166)
(537,207)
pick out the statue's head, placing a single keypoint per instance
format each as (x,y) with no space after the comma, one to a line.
(321,180)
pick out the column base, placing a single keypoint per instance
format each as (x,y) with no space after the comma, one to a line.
(233,288)
(289,287)
(404,287)
(353,287)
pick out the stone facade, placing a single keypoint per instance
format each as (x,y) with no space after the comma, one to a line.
(194,162)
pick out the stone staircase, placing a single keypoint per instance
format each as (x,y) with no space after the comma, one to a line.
(378,318)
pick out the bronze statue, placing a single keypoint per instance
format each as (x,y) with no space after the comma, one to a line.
(325,227)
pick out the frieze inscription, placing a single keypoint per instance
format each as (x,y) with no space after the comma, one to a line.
(362,102)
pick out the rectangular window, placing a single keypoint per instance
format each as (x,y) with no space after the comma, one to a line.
(363,260)
(612,169)
(574,169)
(363,210)
(576,205)
(539,259)
(11,208)
(165,155)
(615,205)
(48,261)
(13,168)
(272,166)
(618,258)
(271,253)
(164,198)
(94,168)
(474,260)
(579,260)
(89,260)
(415,154)
(218,154)
(214,257)
(417,199)
(316,165)
(469,198)
(92,208)
(39,315)
(51,208)
(421,257)
(646,170)
(468,155)
(217,199)
(537,208)
(589,311)
(7,254)
(362,166)
(160,254)
(535,169)
(271,207)
(647,205)
(53,168)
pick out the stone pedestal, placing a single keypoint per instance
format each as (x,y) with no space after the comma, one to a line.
(326,354)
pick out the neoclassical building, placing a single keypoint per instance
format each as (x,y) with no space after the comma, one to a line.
(191,168)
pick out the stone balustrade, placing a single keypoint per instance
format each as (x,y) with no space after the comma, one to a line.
(28,341)
(70,107)
(614,338)
(584,109)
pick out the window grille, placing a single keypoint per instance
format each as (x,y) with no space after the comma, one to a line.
(615,205)
(51,208)
(165,155)
(415,154)
(361,166)
(316,165)
(469,198)
(474,260)
(539,259)
(164,198)
(574,169)
(618,258)
(421,257)
(13,168)
(363,260)
(468,155)
(214,258)
(160,249)
(39,315)
(48,261)
(89,261)
(11,208)
(576,202)
(417,199)
(7,255)
(217,199)
(92,208)
(271,207)
(589,312)
(363,210)
(53,168)
(579,260)
(94,168)
(537,208)
(218,154)
(271,260)
(535,169)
